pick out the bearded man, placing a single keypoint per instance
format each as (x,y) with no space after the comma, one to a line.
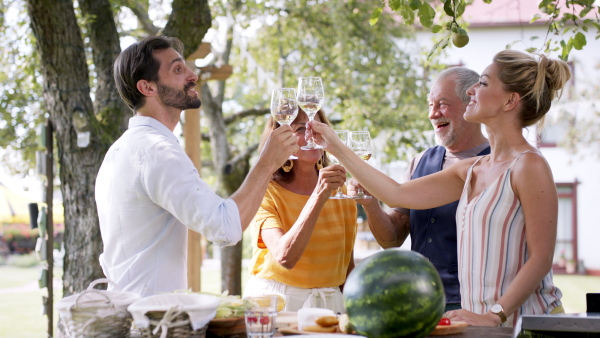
(148,192)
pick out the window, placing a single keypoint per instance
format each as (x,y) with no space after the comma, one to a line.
(565,253)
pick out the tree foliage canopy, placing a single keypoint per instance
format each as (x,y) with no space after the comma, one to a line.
(566,20)
(370,81)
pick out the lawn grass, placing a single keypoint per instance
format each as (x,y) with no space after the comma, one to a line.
(574,288)
(11,276)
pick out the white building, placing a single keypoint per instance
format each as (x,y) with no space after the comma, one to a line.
(492,27)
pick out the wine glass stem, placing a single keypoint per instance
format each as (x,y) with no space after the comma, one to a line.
(360,192)
(311,141)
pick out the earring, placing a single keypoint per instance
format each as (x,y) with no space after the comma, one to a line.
(320,164)
(287,166)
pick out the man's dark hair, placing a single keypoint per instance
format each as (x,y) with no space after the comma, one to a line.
(136,63)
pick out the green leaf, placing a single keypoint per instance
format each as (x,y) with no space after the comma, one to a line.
(439,45)
(460,8)
(436,29)
(544,3)
(535,18)
(569,17)
(395,5)
(407,15)
(414,4)
(448,8)
(426,15)
(579,41)
(375,16)
(565,52)
(487,1)
(585,11)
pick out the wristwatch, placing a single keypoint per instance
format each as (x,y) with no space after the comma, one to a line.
(497,309)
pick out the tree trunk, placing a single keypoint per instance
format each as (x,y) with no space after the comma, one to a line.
(109,108)
(227,182)
(66,90)
(189,22)
(230,174)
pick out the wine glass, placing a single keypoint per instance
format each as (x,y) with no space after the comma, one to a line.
(284,107)
(343,135)
(360,143)
(310,99)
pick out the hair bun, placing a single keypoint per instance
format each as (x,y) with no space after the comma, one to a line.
(558,73)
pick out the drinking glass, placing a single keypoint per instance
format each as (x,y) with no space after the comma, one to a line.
(310,99)
(343,135)
(284,107)
(260,313)
(360,143)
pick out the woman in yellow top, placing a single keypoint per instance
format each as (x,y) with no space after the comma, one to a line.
(302,242)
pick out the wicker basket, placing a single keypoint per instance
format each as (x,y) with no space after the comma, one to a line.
(96,313)
(169,315)
(178,327)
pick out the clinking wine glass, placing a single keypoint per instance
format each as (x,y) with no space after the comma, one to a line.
(343,135)
(310,99)
(284,107)
(360,143)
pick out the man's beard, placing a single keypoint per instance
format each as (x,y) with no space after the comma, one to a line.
(447,140)
(172,97)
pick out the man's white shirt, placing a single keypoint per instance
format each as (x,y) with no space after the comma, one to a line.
(148,193)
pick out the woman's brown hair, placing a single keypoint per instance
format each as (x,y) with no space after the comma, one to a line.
(280,174)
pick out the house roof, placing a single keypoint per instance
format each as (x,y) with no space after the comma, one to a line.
(509,13)
(502,13)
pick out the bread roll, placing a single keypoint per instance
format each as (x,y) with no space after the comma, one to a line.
(327,321)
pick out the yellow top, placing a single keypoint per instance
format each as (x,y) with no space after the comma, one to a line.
(325,261)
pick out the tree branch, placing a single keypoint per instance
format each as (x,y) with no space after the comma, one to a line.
(244,156)
(245,113)
(141,12)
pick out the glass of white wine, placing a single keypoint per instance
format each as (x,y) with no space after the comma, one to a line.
(343,135)
(310,99)
(284,107)
(360,143)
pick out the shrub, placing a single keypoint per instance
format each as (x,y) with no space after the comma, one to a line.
(20,239)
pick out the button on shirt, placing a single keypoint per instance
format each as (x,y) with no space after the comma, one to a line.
(148,193)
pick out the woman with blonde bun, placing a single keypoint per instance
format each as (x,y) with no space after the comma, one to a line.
(507,213)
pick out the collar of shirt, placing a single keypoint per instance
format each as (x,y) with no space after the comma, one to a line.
(146,121)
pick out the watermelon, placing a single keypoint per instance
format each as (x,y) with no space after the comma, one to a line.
(394,293)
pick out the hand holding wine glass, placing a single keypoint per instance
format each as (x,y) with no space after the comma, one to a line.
(284,107)
(343,135)
(310,99)
(360,143)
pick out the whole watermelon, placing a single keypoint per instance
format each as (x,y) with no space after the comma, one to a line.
(394,293)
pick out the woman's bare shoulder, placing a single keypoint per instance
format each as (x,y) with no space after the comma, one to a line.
(531,161)
(461,167)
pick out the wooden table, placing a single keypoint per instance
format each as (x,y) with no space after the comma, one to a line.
(485,332)
(469,332)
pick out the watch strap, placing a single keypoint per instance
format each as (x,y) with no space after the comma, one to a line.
(500,313)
